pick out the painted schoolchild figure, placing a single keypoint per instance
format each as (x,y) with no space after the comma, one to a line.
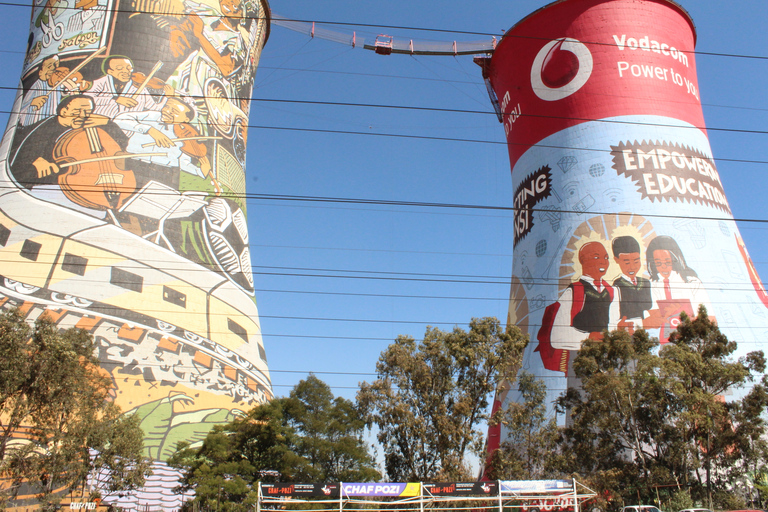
(597,308)
(634,290)
(675,286)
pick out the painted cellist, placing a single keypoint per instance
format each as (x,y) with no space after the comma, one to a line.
(78,155)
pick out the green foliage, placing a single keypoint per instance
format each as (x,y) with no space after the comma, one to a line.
(680,500)
(725,500)
(659,420)
(529,451)
(117,447)
(430,397)
(329,434)
(309,436)
(55,403)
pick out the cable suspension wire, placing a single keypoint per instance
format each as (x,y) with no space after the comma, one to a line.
(384,44)
(304,25)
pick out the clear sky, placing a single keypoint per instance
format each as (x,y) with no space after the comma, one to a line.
(336,282)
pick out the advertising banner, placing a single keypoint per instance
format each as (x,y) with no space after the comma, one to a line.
(298,490)
(404,490)
(621,219)
(462,488)
(534,486)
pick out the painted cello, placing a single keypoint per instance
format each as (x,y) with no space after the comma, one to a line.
(94,175)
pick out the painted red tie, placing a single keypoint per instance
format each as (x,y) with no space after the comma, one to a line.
(667,290)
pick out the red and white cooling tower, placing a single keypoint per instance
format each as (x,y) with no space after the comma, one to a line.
(620,214)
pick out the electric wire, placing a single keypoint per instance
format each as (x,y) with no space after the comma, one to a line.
(418,78)
(177,14)
(504,143)
(512,280)
(463,206)
(132,378)
(457,111)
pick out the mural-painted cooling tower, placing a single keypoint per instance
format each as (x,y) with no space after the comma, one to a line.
(621,218)
(122,204)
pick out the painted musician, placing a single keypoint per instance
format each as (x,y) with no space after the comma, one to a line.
(33,160)
(169,134)
(214,43)
(219,34)
(117,92)
(43,97)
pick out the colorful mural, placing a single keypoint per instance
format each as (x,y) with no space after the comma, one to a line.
(123,204)
(621,220)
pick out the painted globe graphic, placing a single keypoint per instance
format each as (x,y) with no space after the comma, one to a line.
(596,170)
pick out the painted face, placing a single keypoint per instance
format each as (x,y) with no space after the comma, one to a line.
(48,67)
(75,114)
(594,260)
(663,261)
(120,69)
(231,8)
(174,113)
(629,263)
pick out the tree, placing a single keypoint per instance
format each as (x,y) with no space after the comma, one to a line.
(529,451)
(309,436)
(116,447)
(58,423)
(429,397)
(329,434)
(659,419)
(724,438)
(224,468)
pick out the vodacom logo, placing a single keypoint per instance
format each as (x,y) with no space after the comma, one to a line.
(560,69)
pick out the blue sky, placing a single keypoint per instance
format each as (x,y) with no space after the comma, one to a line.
(336,282)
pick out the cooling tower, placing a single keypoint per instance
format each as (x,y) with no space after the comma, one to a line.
(123,211)
(620,220)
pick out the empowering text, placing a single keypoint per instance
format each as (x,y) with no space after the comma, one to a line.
(664,171)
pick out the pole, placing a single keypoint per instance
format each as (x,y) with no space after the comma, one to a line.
(709,458)
(575,497)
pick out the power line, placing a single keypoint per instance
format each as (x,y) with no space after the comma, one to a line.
(455,111)
(462,206)
(213,333)
(417,78)
(477,82)
(554,282)
(357,275)
(478,141)
(133,378)
(379,26)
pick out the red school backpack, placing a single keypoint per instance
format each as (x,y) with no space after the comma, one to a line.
(556,359)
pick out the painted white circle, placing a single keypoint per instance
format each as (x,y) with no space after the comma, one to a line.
(582,75)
